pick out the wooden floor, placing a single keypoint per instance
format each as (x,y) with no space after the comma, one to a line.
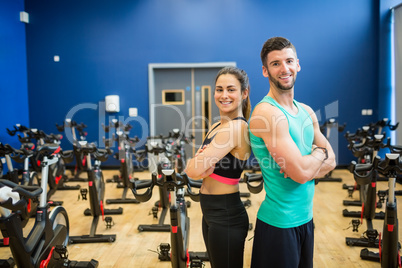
(138,249)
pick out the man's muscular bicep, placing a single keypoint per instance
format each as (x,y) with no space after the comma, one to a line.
(259,121)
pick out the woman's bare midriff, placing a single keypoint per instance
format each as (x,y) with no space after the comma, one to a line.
(211,186)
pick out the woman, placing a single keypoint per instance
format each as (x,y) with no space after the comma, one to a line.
(220,162)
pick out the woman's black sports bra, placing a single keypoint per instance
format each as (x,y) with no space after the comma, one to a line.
(229,169)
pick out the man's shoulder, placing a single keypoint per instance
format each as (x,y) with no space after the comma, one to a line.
(265,109)
(306,107)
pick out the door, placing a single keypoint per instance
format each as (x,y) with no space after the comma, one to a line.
(181,96)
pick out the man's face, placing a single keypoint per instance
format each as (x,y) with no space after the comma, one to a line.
(282,69)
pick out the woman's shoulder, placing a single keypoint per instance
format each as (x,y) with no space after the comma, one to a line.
(235,129)
(236,124)
(214,125)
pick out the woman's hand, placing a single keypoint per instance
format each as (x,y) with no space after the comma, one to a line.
(210,170)
(201,150)
(207,172)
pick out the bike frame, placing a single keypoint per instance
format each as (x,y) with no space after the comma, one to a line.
(126,169)
(42,238)
(96,192)
(180,256)
(389,245)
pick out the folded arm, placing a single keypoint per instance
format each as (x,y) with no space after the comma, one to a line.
(321,141)
(270,124)
(203,163)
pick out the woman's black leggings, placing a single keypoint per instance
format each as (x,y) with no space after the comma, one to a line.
(224,227)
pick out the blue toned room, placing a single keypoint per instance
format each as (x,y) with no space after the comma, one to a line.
(289,109)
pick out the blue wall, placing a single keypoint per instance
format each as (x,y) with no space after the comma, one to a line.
(105,48)
(13,70)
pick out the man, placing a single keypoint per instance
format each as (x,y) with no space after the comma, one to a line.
(291,151)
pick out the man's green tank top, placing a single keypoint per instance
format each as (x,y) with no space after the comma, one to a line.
(287,203)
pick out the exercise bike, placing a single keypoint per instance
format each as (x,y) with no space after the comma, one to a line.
(24,176)
(159,162)
(23,155)
(126,151)
(389,245)
(80,160)
(96,191)
(12,174)
(34,137)
(176,143)
(364,144)
(368,192)
(174,183)
(367,180)
(45,245)
(28,176)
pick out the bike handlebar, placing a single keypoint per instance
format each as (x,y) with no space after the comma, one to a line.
(174,134)
(371,144)
(23,190)
(362,173)
(20,155)
(169,180)
(385,123)
(90,148)
(28,192)
(17,128)
(117,125)
(389,167)
(393,127)
(5,149)
(12,132)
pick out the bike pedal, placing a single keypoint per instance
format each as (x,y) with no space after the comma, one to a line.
(355,224)
(155,212)
(197,264)
(164,254)
(84,193)
(109,222)
(62,251)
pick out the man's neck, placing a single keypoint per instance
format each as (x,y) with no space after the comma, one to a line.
(284,98)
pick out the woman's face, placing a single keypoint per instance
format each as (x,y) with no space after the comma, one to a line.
(228,95)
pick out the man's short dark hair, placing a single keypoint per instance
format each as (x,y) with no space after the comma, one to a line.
(275,43)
